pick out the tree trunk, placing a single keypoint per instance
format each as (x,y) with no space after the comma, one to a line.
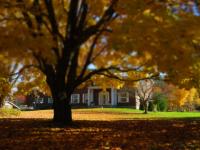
(1,102)
(61,107)
(145,108)
(62,112)
(61,100)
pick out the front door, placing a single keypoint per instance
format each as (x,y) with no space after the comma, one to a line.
(104,98)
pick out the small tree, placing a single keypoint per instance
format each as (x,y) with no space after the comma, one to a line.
(6,81)
(4,90)
(144,92)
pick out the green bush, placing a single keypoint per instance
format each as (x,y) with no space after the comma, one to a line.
(141,107)
(160,100)
(162,105)
(5,112)
(151,106)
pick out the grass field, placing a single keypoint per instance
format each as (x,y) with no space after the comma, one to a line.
(110,114)
(102,129)
(130,113)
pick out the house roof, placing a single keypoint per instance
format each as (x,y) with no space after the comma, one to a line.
(20,98)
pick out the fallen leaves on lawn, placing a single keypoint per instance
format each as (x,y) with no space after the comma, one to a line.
(17,133)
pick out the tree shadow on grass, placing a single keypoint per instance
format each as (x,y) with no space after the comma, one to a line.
(125,134)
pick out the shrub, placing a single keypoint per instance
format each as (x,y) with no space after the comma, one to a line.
(5,112)
(162,105)
(151,106)
(141,107)
(161,101)
(197,108)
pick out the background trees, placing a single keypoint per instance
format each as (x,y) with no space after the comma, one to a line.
(7,67)
(4,90)
(183,100)
(169,41)
(175,98)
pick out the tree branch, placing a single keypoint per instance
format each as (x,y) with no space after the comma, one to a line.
(113,76)
(72,19)
(52,17)
(24,68)
(18,74)
(90,53)
(107,17)
(111,68)
(98,54)
(82,15)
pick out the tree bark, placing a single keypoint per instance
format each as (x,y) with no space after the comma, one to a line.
(145,108)
(62,112)
(61,106)
(1,102)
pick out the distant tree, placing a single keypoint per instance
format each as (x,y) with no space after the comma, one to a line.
(192,100)
(144,92)
(6,81)
(180,99)
(4,90)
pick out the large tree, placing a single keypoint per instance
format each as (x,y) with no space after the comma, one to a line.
(63,28)
(60,38)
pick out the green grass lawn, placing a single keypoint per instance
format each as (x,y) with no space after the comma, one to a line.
(106,114)
(109,110)
(138,114)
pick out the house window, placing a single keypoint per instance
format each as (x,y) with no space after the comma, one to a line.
(40,100)
(85,98)
(75,98)
(123,97)
(50,100)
